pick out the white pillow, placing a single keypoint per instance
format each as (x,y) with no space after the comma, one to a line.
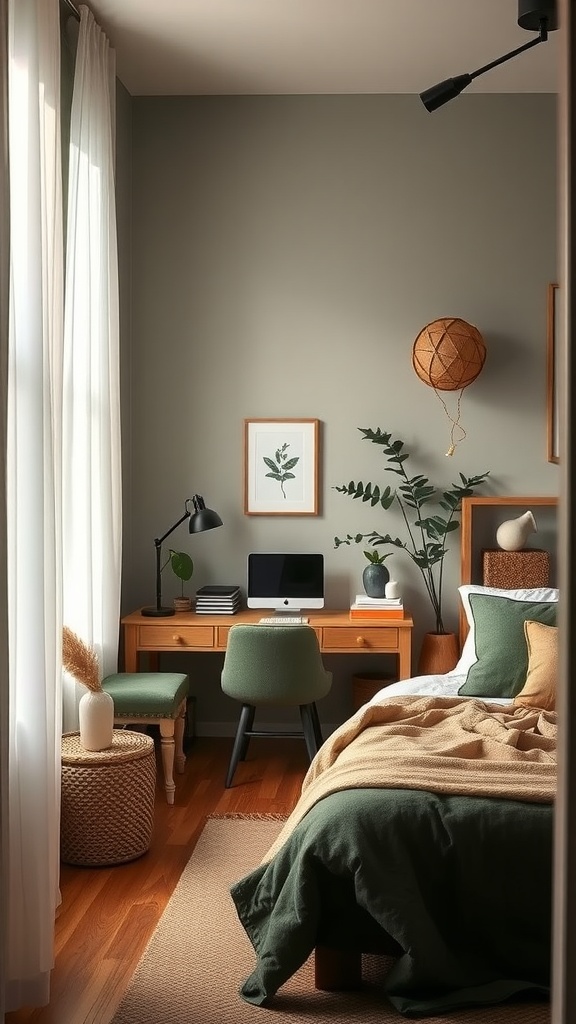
(468,656)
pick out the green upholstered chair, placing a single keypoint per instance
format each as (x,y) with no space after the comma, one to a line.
(274,667)
(154,698)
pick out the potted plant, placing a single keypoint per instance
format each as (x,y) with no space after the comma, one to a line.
(182,566)
(426,534)
(375,575)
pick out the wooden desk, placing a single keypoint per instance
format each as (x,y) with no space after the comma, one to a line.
(188,631)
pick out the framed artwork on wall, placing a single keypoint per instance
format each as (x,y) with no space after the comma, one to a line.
(552,415)
(281,467)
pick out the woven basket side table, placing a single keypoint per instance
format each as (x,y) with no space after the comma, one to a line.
(107,814)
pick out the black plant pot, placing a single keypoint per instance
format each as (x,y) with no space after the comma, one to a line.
(375,577)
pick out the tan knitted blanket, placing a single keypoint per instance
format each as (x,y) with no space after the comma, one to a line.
(443,745)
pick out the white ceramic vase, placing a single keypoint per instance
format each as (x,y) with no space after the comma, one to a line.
(96,714)
(392,590)
(512,534)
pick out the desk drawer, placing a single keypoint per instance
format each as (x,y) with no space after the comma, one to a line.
(173,638)
(222,636)
(360,637)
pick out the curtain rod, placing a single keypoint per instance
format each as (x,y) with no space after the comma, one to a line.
(71,7)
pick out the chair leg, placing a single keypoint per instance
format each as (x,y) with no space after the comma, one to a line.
(179,727)
(317,726)
(246,739)
(308,727)
(167,728)
(240,741)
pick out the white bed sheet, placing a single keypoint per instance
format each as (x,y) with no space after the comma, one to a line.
(430,686)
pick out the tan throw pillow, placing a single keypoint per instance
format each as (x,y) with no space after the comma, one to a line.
(539,690)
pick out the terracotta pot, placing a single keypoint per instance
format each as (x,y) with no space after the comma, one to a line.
(439,653)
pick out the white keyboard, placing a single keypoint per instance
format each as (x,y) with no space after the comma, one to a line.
(284,620)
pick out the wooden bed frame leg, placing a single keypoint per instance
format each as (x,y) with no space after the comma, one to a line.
(336,969)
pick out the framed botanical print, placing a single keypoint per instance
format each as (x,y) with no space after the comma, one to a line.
(552,412)
(281,467)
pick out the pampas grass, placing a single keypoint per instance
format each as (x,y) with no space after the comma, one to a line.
(80,660)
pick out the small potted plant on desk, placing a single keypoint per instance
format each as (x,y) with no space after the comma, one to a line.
(182,566)
(427,535)
(375,575)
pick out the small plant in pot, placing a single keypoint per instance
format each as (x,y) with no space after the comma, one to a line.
(182,566)
(426,535)
(375,575)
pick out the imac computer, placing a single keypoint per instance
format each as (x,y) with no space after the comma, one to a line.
(285,582)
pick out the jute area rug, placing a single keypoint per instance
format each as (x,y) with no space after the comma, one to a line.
(199,955)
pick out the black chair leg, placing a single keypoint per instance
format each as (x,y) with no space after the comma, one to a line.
(240,741)
(308,727)
(317,727)
(247,728)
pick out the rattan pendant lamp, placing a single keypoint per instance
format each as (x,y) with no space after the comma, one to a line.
(448,355)
(533,15)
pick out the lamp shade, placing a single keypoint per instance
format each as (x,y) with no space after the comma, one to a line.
(202,518)
(437,95)
(448,354)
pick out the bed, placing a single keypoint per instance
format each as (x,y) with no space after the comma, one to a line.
(424,829)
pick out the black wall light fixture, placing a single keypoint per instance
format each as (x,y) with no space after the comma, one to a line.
(535,15)
(201,518)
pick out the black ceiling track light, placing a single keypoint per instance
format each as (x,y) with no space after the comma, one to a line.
(534,15)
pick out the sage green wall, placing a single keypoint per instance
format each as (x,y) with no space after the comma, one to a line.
(286,251)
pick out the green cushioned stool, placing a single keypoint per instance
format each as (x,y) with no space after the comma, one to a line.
(154,698)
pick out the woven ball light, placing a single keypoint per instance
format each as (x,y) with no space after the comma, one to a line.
(448,354)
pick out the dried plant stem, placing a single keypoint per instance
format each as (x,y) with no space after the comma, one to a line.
(80,660)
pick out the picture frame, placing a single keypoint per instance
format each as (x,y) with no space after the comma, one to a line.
(552,405)
(281,467)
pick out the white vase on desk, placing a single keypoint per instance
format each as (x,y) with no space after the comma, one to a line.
(392,590)
(96,716)
(512,534)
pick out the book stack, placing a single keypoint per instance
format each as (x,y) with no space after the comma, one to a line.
(218,599)
(377,608)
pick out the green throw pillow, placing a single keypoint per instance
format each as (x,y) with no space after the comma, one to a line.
(500,644)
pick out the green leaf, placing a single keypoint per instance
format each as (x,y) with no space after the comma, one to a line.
(181,564)
(291,463)
(270,463)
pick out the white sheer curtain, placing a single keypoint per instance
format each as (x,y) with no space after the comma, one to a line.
(33,495)
(92,470)
(63,448)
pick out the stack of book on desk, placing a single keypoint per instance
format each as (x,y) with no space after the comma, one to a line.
(377,608)
(218,599)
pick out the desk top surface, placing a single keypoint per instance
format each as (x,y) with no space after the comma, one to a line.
(325,617)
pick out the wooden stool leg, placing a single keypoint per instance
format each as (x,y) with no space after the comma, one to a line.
(167,746)
(336,969)
(179,727)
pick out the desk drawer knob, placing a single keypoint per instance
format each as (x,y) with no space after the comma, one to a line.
(177,638)
(360,641)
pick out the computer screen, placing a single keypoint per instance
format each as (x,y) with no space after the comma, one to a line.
(285,580)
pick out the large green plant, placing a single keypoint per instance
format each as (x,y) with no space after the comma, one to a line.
(427,535)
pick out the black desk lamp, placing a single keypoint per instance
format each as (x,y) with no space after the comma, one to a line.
(201,518)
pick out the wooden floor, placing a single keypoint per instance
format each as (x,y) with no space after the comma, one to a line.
(108,914)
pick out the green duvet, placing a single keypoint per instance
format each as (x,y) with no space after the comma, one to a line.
(458,886)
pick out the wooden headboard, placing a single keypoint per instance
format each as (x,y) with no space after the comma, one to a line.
(470,536)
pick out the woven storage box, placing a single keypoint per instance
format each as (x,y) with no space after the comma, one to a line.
(513,570)
(365,686)
(107,799)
